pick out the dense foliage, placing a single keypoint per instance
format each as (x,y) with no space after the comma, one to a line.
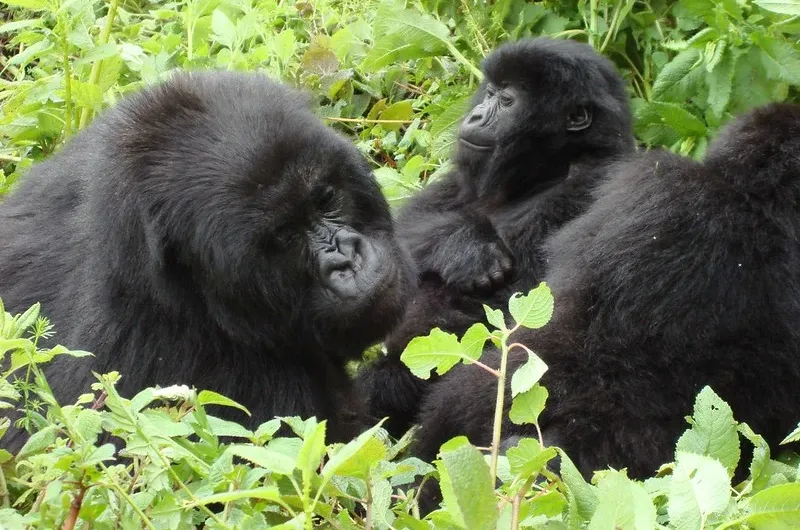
(396,77)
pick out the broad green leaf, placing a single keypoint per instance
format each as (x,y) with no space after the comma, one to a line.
(270,460)
(624,505)
(207,397)
(775,508)
(312,450)
(358,465)
(761,457)
(466,485)
(88,424)
(528,457)
(38,5)
(224,30)
(495,317)
(526,407)
(534,309)
(38,441)
(528,374)
(699,488)
(474,340)
(444,126)
(713,432)
(221,427)
(101,454)
(785,7)
(350,450)
(284,45)
(679,119)
(780,57)
(400,110)
(720,83)
(16,25)
(404,34)
(26,320)
(438,350)
(675,71)
(581,495)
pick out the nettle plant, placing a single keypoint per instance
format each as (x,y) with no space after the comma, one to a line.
(173,465)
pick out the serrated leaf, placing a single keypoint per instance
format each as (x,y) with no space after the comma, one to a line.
(358,465)
(678,118)
(350,450)
(224,30)
(38,441)
(495,317)
(581,495)
(444,126)
(221,427)
(400,110)
(528,374)
(777,6)
(269,459)
(526,407)
(528,457)
(312,450)
(271,493)
(466,485)
(207,397)
(624,505)
(438,350)
(402,35)
(534,309)
(775,508)
(88,424)
(720,83)
(781,57)
(713,432)
(699,488)
(474,340)
(675,71)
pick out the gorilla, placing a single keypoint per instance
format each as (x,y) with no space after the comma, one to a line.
(211,231)
(680,275)
(548,118)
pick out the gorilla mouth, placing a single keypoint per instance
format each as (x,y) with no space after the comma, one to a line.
(477,147)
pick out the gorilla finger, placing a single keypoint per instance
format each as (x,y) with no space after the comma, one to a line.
(483,285)
(498,278)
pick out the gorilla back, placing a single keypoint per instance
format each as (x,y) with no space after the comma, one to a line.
(209,231)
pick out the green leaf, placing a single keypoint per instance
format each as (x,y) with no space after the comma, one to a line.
(624,505)
(474,339)
(526,407)
(402,35)
(438,350)
(444,126)
(38,441)
(26,320)
(495,317)
(775,508)
(533,310)
(269,459)
(224,30)
(720,83)
(776,6)
(38,5)
(359,464)
(207,397)
(581,495)
(466,485)
(271,493)
(528,374)
(352,450)
(713,431)
(400,110)
(699,488)
(679,119)
(781,57)
(312,450)
(675,71)
(793,436)
(528,457)
(283,45)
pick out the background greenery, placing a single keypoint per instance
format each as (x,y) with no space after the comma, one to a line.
(395,76)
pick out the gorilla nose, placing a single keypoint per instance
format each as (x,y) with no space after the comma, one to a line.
(348,243)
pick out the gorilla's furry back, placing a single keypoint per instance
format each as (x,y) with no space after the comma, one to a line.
(187,236)
(680,275)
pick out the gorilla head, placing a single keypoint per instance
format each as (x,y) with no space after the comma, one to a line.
(210,231)
(543,104)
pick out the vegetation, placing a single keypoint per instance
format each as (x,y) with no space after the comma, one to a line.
(396,77)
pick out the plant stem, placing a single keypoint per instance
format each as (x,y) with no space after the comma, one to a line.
(94,75)
(67,80)
(499,408)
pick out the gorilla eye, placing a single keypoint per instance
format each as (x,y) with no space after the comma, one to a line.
(579,119)
(506,100)
(325,197)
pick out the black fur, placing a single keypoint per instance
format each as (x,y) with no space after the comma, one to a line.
(209,231)
(498,205)
(681,275)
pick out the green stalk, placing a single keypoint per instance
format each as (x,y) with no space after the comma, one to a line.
(67,79)
(94,75)
(499,407)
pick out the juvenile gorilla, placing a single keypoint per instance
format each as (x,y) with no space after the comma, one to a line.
(681,275)
(544,124)
(210,231)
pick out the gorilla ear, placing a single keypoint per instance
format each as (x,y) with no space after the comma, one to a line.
(579,119)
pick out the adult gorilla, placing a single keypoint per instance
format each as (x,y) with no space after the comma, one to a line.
(681,275)
(211,231)
(544,124)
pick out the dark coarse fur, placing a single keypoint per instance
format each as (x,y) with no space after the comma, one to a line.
(537,178)
(187,237)
(681,275)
